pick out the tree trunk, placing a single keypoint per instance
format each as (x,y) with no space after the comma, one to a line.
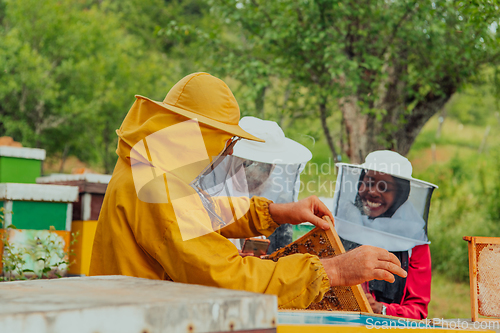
(106,142)
(63,158)
(283,107)
(408,131)
(342,144)
(396,131)
(396,127)
(259,102)
(359,128)
(326,130)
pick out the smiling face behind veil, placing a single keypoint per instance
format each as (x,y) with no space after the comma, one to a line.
(379,203)
(380,194)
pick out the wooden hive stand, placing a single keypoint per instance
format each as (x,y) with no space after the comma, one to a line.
(326,244)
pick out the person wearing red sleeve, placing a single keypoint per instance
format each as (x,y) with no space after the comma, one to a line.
(417,289)
(380,204)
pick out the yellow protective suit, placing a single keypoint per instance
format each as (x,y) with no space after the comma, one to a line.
(141,239)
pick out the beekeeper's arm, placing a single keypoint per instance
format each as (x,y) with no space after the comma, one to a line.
(262,216)
(190,252)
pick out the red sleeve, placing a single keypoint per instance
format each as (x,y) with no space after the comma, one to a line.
(418,286)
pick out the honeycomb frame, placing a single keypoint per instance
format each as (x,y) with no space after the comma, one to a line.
(479,280)
(325,244)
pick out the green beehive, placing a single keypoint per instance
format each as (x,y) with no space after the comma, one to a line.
(20,165)
(38,207)
(300,230)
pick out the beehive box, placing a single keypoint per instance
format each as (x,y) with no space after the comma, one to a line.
(300,230)
(293,321)
(91,188)
(84,233)
(109,304)
(484,275)
(38,207)
(20,165)
(30,211)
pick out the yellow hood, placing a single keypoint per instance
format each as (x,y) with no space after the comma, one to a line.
(145,118)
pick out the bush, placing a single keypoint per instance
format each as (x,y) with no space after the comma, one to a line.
(466,204)
(42,250)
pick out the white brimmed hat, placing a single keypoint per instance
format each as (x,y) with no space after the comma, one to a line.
(277,149)
(388,162)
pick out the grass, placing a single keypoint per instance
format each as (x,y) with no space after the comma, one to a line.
(449,299)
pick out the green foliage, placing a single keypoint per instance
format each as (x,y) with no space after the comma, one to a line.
(401,60)
(466,204)
(427,138)
(150,20)
(476,104)
(68,73)
(41,250)
(69,70)
(44,250)
(13,260)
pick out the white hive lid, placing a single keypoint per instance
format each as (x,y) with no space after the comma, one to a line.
(87,177)
(28,153)
(127,304)
(38,192)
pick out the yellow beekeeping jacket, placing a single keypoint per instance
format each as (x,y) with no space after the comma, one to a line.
(141,239)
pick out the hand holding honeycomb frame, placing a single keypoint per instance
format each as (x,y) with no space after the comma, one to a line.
(325,244)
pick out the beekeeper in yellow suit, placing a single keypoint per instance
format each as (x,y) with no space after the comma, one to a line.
(168,209)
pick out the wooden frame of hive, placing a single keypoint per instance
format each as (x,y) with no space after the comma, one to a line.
(476,245)
(326,244)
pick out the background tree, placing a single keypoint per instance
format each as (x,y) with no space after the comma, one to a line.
(68,73)
(387,66)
